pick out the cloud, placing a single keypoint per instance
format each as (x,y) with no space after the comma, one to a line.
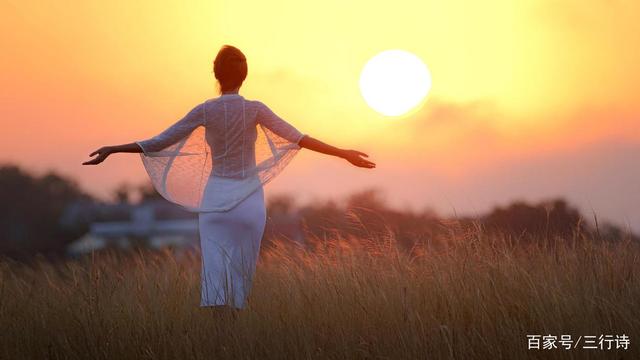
(478,134)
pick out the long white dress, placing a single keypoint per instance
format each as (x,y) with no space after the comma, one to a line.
(215,161)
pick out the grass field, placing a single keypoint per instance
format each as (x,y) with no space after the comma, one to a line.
(471,296)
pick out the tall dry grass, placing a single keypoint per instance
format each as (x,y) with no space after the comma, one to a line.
(471,296)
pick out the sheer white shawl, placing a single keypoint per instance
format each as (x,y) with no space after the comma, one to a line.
(219,153)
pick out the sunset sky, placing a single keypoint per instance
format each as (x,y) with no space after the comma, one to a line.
(530,99)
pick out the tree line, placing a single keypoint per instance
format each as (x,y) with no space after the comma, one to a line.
(32,210)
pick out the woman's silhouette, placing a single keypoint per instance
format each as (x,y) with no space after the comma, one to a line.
(230,201)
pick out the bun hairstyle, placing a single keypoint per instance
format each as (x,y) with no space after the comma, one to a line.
(230,68)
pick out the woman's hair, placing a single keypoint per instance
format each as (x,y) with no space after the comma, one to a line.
(230,67)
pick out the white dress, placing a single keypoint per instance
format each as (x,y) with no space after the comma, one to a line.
(215,161)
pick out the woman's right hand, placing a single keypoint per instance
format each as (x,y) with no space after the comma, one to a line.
(355,158)
(102,153)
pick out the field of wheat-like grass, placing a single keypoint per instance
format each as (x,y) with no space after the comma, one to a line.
(474,296)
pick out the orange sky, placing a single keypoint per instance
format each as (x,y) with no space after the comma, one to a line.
(530,99)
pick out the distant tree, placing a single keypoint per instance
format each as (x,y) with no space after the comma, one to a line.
(545,219)
(122,193)
(365,214)
(283,220)
(147,191)
(30,210)
(320,219)
(128,193)
(280,205)
(368,199)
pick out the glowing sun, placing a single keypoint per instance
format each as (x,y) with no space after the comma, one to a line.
(395,82)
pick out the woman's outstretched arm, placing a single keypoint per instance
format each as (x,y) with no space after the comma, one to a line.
(170,136)
(275,123)
(352,156)
(105,151)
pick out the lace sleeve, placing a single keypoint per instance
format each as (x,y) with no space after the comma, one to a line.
(175,132)
(273,122)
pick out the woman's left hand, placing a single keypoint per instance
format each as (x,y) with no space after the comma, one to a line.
(355,158)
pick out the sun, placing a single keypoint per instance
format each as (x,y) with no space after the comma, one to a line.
(394,82)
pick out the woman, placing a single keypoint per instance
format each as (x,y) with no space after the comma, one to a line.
(215,161)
